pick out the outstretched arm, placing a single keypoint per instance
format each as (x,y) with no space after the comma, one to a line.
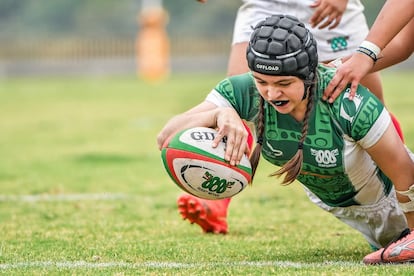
(225,119)
(201,115)
(395,17)
(399,49)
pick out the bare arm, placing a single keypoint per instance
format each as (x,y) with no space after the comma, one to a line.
(399,49)
(328,13)
(200,115)
(224,119)
(391,156)
(395,17)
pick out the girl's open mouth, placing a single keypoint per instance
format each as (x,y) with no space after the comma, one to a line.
(279,103)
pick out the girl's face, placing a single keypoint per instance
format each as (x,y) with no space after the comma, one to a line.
(284,93)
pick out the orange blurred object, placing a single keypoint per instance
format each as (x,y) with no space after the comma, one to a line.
(152,45)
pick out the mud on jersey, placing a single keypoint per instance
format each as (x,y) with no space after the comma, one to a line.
(336,168)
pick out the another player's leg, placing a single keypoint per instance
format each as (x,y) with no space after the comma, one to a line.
(237,61)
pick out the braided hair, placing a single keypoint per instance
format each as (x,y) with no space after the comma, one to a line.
(281,45)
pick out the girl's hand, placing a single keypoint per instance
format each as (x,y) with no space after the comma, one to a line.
(231,128)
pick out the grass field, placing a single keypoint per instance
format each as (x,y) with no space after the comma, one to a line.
(83,190)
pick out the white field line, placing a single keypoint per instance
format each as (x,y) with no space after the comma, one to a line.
(171,265)
(61,197)
(154,264)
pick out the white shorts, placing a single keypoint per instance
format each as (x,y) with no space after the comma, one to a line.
(338,42)
(379,223)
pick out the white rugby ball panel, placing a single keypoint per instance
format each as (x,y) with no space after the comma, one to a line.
(199,169)
(207,179)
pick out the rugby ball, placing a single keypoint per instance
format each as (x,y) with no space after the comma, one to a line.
(199,169)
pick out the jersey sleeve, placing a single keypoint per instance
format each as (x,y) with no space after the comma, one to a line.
(216,98)
(364,119)
(376,131)
(238,92)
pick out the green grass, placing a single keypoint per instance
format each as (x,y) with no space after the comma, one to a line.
(102,204)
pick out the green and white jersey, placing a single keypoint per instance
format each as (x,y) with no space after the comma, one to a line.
(336,168)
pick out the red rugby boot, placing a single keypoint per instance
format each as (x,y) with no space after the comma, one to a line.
(400,251)
(210,215)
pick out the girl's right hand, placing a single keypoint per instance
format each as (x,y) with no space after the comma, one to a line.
(231,128)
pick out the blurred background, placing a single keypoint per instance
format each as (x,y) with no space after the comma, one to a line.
(101,37)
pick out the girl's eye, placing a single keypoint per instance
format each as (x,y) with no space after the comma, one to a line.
(261,82)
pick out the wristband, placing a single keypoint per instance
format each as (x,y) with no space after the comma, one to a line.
(370,49)
(367,52)
(371,46)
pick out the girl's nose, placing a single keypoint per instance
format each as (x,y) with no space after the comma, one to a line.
(273,92)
